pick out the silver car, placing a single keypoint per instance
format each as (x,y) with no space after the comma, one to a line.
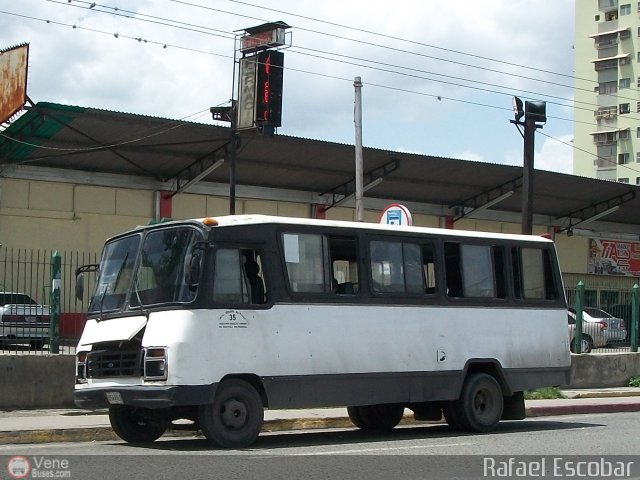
(599,327)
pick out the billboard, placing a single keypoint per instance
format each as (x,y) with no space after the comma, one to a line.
(614,257)
(13,80)
(260,90)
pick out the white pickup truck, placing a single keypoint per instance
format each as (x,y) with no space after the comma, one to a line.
(22,320)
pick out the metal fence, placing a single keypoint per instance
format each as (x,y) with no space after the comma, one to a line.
(26,271)
(607,305)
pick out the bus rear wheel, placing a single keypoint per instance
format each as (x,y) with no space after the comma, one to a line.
(133,426)
(235,417)
(376,417)
(479,408)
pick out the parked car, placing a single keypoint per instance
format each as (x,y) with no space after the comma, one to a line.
(623,311)
(599,328)
(22,320)
(592,336)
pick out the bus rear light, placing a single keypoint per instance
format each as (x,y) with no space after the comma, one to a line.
(155,363)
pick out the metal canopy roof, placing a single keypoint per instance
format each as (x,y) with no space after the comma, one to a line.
(68,137)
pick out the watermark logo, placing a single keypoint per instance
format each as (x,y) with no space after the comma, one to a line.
(18,467)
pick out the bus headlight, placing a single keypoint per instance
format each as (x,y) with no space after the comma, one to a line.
(155,363)
(81,367)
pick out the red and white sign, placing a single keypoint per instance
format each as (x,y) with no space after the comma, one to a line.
(396,214)
(614,257)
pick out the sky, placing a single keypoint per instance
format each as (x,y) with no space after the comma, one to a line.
(438,76)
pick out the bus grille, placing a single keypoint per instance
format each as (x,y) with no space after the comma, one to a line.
(107,363)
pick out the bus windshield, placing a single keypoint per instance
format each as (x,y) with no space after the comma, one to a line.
(136,272)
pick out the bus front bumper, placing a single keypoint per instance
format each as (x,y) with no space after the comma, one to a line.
(152,397)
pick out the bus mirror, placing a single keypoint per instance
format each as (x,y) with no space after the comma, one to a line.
(80,271)
(79,286)
(195,265)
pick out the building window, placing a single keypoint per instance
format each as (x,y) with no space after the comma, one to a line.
(623,180)
(624,83)
(607,88)
(625,9)
(623,158)
(623,134)
(624,108)
(638,132)
(625,34)
(597,18)
(637,180)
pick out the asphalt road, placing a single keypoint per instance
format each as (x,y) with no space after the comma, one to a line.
(553,445)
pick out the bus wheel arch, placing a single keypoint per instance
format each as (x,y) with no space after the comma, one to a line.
(234,418)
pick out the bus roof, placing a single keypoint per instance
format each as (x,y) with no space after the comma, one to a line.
(237,220)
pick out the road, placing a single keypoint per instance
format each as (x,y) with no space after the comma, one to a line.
(432,452)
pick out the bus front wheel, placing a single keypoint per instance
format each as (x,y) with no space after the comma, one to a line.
(235,417)
(376,417)
(479,407)
(133,426)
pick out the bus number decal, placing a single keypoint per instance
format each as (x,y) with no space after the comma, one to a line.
(232,319)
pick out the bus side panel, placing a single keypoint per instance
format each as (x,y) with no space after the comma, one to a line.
(312,355)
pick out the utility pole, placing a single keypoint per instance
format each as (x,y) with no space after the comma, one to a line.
(357,114)
(533,112)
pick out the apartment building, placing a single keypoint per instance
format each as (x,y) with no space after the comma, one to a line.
(607,102)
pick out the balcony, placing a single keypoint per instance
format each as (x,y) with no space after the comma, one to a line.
(606,113)
(607,5)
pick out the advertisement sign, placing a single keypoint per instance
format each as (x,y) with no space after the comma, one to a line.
(614,257)
(13,80)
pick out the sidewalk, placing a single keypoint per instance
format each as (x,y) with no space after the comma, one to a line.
(75,425)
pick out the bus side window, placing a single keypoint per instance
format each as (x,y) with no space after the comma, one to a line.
(453,272)
(230,285)
(255,277)
(306,258)
(344,265)
(429,269)
(539,282)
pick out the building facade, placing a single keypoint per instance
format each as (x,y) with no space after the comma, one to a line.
(607,81)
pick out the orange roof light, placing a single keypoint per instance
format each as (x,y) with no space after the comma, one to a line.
(210,222)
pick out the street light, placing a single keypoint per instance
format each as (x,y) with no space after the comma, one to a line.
(533,112)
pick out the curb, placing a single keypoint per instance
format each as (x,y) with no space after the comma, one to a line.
(98,434)
(582,409)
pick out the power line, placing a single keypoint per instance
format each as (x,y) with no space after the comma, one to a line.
(605,159)
(165,45)
(93,5)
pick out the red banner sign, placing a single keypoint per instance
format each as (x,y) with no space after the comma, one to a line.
(614,257)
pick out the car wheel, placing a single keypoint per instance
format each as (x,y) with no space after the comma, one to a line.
(235,417)
(36,344)
(376,417)
(586,344)
(133,426)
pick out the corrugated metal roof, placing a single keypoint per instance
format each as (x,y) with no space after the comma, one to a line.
(104,141)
